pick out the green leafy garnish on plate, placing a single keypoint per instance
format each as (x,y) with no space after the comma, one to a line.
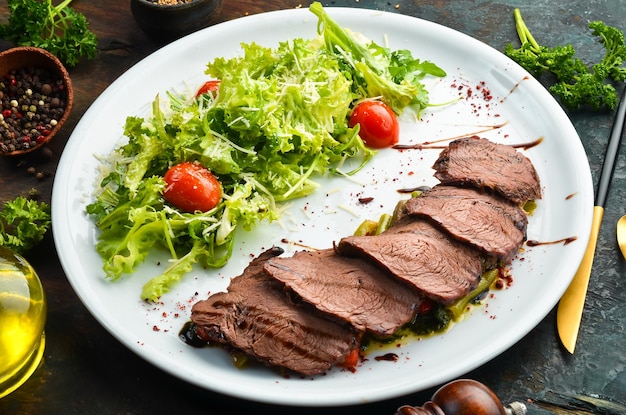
(277,122)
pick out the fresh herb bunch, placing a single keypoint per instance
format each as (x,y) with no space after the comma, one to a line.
(60,29)
(23,224)
(576,84)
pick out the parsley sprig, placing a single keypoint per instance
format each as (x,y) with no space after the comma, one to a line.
(60,29)
(23,224)
(576,84)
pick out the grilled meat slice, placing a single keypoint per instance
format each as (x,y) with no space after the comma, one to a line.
(348,288)
(257,317)
(437,266)
(478,162)
(484,220)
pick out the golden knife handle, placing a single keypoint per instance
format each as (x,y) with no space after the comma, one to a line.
(570,310)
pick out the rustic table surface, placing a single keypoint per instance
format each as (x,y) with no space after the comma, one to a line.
(87,371)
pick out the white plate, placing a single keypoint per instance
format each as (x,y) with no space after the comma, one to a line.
(520,104)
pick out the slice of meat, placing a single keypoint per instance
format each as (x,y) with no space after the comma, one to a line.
(481,163)
(413,224)
(439,268)
(347,288)
(257,317)
(484,220)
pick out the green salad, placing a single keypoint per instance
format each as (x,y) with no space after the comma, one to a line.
(277,120)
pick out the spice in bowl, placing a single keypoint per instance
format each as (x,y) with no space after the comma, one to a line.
(35,99)
(170,2)
(167,20)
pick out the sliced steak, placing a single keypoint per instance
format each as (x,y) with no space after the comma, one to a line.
(407,223)
(484,220)
(481,163)
(347,288)
(438,267)
(257,317)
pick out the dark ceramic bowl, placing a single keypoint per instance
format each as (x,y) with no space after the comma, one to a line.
(44,66)
(166,22)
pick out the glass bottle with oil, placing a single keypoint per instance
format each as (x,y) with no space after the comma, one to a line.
(23,311)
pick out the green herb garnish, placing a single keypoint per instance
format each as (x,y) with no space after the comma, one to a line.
(23,224)
(60,29)
(576,84)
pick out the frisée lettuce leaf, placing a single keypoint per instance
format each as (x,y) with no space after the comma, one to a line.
(378,71)
(277,123)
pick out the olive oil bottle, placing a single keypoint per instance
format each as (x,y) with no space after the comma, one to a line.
(22,319)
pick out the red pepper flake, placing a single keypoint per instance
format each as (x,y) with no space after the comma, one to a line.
(155,328)
(365,200)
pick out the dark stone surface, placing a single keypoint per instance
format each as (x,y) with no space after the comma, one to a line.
(87,371)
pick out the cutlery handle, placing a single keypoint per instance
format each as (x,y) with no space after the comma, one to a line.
(571,306)
(612,150)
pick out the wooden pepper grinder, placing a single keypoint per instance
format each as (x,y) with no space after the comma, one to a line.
(464,397)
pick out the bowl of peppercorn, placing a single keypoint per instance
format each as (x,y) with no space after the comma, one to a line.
(35,99)
(167,20)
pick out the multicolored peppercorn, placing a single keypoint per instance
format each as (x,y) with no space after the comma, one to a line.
(32,101)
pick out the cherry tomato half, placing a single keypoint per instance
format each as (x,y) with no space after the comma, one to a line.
(425,306)
(211,87)
(352,360)
(191,187)
(379,125)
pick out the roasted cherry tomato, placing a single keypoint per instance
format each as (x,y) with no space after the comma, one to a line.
(209,87)
(425,306)
(352,360)
(191,187)
(379,125)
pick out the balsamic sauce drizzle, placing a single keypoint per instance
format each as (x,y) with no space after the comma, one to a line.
(564,241)
(431,144)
